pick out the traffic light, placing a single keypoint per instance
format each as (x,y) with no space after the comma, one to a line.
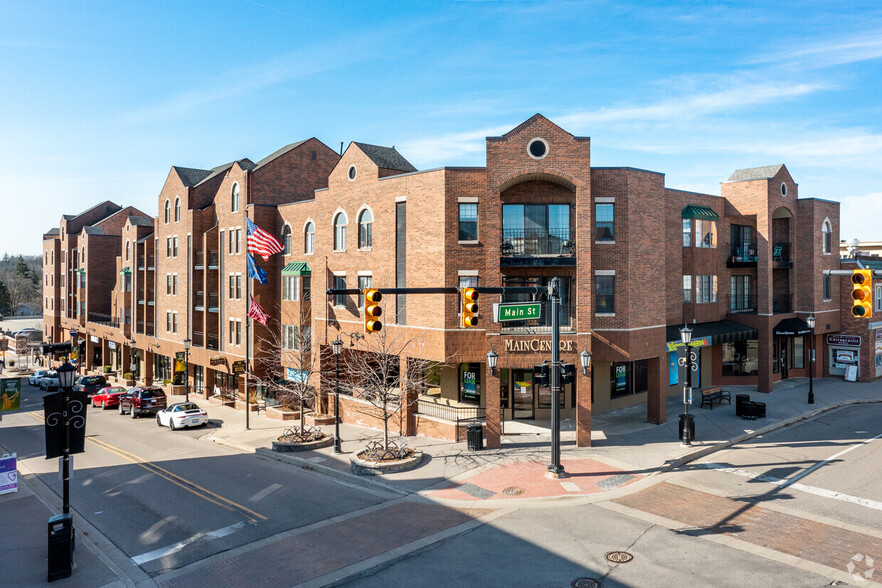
(469,307)
(540,374)
(862,293)
(372,310)
(567,373)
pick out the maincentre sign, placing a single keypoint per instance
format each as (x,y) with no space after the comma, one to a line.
(538,345)
(518,311)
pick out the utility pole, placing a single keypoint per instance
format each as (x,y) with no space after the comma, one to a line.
(555,469)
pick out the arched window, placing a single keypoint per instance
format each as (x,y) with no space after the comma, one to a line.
(177,209)
(286,239)
(365,231)
(340,222)
(234,204)
(827,234)
(128,245)
(167,211)
(52,258)
(310,238)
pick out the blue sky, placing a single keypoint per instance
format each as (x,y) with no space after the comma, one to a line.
(99,99)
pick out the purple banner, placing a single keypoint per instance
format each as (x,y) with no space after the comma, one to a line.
(8,474)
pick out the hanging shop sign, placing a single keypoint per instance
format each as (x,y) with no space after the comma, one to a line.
(93,338)
(217,360)
(852,340)
(536,345)
(238,367)
(111,345)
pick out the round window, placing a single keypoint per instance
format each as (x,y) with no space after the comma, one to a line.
(783,189)
(537,148)
(352,172)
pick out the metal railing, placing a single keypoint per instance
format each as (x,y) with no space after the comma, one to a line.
(741,302)
(517,242)
(743,252)
(103,319)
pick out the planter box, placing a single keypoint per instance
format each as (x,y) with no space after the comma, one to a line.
(240,404)
(177,390)
(217,400)
(327,441)
(280,414)
(312,419)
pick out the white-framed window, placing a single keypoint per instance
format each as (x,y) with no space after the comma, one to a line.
(128,249)
(168,284)
(340,222)
(168,246)
(232,289)
(340,283)
(286,240)
(174,246)
(291,288)
(168,321)
(235,286)
(705,233)
(238,331)
(878,298)
(231,237)
(468,221)
(234,197)
(687,232)
(174,322)
(177,210)
(309,238)
(290,338)
(687,289)
(167,212)
(238,286)
(174,284)
(363,282)
(232,330)
(827,237)
(365,229)
(238,240)
(604,221)
(705,289)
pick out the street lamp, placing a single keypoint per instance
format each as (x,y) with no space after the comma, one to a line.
(337,348)
(686,338)
(810,321)
(491,361)
(585,360)
(187,343)
(66,373)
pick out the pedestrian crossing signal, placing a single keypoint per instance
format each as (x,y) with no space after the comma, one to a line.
(372,310)
(469,308)
(862,293)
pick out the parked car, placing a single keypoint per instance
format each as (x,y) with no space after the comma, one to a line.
(180,415)
(89,384)
(49,381)
(34,378)
(141,399)
(108,397)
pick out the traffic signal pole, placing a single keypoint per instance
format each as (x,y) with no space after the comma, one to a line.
(555,469)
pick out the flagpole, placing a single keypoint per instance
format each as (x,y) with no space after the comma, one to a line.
(248,320)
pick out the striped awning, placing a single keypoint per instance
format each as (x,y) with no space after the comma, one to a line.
(700,212)
(296,268)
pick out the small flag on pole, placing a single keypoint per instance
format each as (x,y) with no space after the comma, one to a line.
(256,312)
(254,270)
(261,242)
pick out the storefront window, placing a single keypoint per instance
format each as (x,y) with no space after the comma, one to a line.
(470,383)
(162,368)
(741,358)
(798,354)
(629,378)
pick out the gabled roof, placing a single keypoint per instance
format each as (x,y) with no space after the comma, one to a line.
(53,231)
(766,172)
(141,221)
(190,176)
(386,157)
(93,230)
(278,153)
(213,172)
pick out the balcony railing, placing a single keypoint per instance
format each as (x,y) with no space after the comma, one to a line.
(212,259)
(742,254)
(103,319)
(742,302)
(456,414)
(782,304)
(199,260)
(781,255)
(532,242)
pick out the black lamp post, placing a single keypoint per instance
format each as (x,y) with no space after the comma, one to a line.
(187,343)
(686,338)
(66,374)
(811,325)
(585,360)
(337,348)
(492,357)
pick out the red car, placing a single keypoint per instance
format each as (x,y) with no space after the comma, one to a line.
(107,397)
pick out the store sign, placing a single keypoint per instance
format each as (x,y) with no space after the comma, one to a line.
(93,338)
(293,375)
(853,340)
(8,474)
(703,342)
(470,385)
(217,360)
(536,345)
(111,345)
(238,367)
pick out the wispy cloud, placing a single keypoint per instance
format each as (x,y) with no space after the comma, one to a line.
(857,48)
(452,147)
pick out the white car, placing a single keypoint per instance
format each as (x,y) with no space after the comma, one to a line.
(180,415)
(34,379)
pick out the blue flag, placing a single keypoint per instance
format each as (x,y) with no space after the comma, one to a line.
(254,270)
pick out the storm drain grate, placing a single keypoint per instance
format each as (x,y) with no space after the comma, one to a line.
(513,491)
(619,556)
(476,491)
(586,583)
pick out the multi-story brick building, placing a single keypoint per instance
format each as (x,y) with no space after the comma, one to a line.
(636,261)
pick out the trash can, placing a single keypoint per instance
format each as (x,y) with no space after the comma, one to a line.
(740,399)
(60,547)
(749,410)
(475,435)
(760,410)
(691,425)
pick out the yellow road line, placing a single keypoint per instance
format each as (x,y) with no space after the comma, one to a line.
(175,479)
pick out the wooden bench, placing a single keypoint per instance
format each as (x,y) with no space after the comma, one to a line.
(714,394)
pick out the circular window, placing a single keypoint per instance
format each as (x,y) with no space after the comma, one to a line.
(537,148)
(352,172)
(783,189)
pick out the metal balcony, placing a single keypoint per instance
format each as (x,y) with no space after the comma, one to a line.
(741,303)
(527,247)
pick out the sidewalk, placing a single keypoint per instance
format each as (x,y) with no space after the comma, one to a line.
(625,448)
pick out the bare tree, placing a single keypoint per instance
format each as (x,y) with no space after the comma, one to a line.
(374,374)
(289,346)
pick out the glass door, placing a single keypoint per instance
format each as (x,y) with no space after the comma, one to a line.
(522,394)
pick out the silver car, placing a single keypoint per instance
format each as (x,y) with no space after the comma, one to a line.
(34,378)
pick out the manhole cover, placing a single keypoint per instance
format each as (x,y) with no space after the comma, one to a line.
(513,491)
(619,556)
(585,583)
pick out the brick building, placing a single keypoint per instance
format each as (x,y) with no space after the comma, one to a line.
(636,261)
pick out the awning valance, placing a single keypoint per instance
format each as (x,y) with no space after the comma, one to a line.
(700,212)
(296,268)
(715,333)
(791,327)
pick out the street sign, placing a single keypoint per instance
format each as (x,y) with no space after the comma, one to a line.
(238,367)
(518,311)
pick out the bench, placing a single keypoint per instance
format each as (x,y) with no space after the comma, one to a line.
(714,394)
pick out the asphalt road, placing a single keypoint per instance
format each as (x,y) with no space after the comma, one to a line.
(167,499)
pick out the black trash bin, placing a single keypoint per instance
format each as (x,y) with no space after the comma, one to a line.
(60,547)
(475,434)
(683,419)
(740,399)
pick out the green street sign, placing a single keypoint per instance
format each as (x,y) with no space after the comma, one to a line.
(518,311)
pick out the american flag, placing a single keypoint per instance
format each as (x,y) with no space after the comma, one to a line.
(261,242)
(257,312)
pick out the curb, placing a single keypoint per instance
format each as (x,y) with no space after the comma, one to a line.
(230,443)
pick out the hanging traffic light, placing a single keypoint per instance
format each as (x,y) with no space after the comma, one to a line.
(862,293)
(540,374)
(469,308)
(372,310)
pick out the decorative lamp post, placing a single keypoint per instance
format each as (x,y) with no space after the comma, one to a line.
(585,360)
(337,348)
(810,321)
(66,374)
(187,344)
(686,338)
(491,361)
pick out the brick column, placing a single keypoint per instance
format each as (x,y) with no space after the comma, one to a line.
(656,405)
(764,363)
(492,405)
(583,408)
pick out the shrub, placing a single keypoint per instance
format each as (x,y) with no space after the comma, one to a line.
(107,369)
(166,382)
(178,380)
(127,375)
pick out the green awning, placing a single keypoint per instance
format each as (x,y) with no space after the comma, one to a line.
(701,212)
(82,270)
(127,271)
(296,268)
